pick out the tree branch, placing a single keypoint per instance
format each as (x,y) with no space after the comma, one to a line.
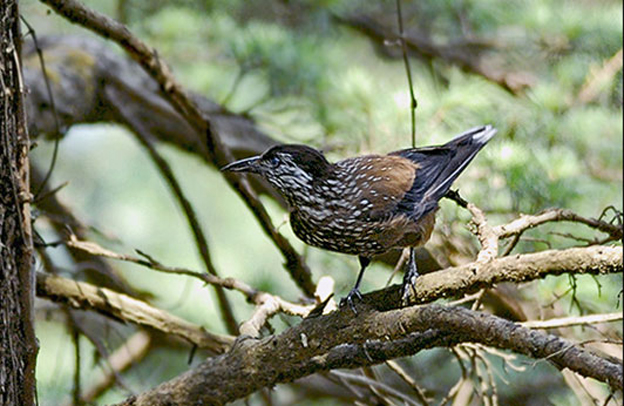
(526,222)
(468,278)
(340,341)
(82,295)
(267,304)
(573,321)
(458,54)
(130,353)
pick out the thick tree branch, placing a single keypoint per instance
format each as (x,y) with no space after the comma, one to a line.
(82,295)
(468,278)
(341,341)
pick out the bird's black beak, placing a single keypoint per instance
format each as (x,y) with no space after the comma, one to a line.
(243,165)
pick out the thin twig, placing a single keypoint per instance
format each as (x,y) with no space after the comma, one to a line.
(95,339)
(366,381)
(573,321)
(462,379)
(133,350)
(526,222)
(489,382)
(478,297)
(396,368)
(404,256)
(57,126)
(76,387)
(42,196)
(467,298)
(511,245)
(382,398)
(408,71)
(267,304)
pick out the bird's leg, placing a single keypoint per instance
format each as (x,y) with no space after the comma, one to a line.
(409,280)
(355,292)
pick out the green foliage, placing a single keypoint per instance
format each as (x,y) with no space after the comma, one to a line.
(290,66)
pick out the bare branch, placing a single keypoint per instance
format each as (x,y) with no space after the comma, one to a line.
(82,295)
(470,277)
(396,368)
(573,321)
(129,353)
(487,236)
(458,54)
(526,222)
(268,305)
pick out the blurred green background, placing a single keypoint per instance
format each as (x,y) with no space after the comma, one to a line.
(306,78)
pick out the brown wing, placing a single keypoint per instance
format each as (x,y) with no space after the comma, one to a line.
(384,181)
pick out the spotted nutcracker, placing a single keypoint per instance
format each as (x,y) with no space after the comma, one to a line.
(370,204)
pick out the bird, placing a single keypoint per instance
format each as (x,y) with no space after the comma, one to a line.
(370,204)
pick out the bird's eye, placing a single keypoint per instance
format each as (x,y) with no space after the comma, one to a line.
(274,161)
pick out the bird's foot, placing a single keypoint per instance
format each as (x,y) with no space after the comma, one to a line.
(348,300)
(409,286)
(241,341)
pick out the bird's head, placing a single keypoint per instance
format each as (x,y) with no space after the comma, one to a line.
(291,169)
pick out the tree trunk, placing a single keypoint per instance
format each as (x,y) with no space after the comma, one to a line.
(18,345)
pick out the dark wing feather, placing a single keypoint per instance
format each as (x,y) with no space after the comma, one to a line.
(439,166)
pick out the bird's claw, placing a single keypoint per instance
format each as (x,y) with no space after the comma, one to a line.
(409,281)
(408,289)
(348,300)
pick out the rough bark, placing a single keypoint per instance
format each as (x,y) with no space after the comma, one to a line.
(340,341)
(468,278)
(18,345)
